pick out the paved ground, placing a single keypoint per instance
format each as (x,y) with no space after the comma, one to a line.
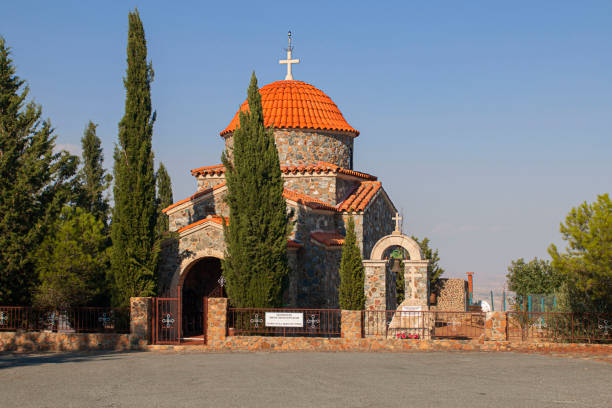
(440,379)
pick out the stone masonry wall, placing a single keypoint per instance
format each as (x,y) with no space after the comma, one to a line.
(452,296)
(343,188)
(321,187)
(377,223)
(297,147)
(44,341)
(141,309)
(205,183)
(217,320)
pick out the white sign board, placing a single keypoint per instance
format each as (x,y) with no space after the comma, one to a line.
(412,308)
(279,319)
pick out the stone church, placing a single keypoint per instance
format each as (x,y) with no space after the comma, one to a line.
(316,147)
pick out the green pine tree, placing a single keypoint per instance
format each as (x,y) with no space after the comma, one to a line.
(93,177)
(35,183)
(351,292)
(256,263)
(434,271)
(133,229)
(73,259)
(164,198)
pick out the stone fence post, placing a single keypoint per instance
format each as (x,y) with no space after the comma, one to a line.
(496,325)
(141,309)
(351,324)
(216,320)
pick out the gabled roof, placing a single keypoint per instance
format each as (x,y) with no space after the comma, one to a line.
(290,195)
(307,200)
(217,219)
(319,168)
(194,197)
(360,197)
(296,105)
(328,238)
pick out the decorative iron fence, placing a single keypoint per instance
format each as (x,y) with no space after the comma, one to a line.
(76,320)
(285,322)
(559,327)
(423,324)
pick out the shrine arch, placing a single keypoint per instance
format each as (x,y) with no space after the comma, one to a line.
(409,244)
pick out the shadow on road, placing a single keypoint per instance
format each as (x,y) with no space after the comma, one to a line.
(24,360)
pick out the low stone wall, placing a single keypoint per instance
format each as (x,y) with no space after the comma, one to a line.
(22,341)
(262,343)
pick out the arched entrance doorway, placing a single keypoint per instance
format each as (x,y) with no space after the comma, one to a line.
(201,279)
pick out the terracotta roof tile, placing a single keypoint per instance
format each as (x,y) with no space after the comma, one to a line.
(360,197)
(328,238)
(296,104)
(217,219)
(294,244)
(307,200)
(320,167)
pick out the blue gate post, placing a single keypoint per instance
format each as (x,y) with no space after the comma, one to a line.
(492,304)
(529,303)
(542,304)
(504,300)
(554,303)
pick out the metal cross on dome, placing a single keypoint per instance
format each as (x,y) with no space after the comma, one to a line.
(289,61)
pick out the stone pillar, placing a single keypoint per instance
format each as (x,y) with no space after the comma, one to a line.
(141,309)
(375,285)
(496,325)
(416,284)
(351,324)
(216,320)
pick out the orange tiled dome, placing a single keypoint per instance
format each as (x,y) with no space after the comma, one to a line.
(297,105)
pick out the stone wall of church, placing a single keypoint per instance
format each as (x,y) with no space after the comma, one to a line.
(191,214)
(214,204)
(319,278)
(344,188)
(170,263)
(297,147)
(378,223)
(307,221)
(321,187)
(205,183)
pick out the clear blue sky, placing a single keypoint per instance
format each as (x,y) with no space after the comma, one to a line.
(486,121)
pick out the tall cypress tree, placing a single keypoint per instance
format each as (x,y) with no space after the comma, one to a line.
(93,177)
(164,198)
(351,292)
(256,263)
(35,183)
(134,252)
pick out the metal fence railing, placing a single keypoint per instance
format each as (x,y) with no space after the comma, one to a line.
(423,324)
(75,320)
(285,322)
(559,327)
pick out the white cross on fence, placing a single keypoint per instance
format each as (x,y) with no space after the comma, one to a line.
(105,319)
(168,321)
(313,321)
(605,326)
(256,320)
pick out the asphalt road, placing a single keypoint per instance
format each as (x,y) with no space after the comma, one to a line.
(441,379)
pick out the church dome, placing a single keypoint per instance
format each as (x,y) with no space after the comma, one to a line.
(293,104)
